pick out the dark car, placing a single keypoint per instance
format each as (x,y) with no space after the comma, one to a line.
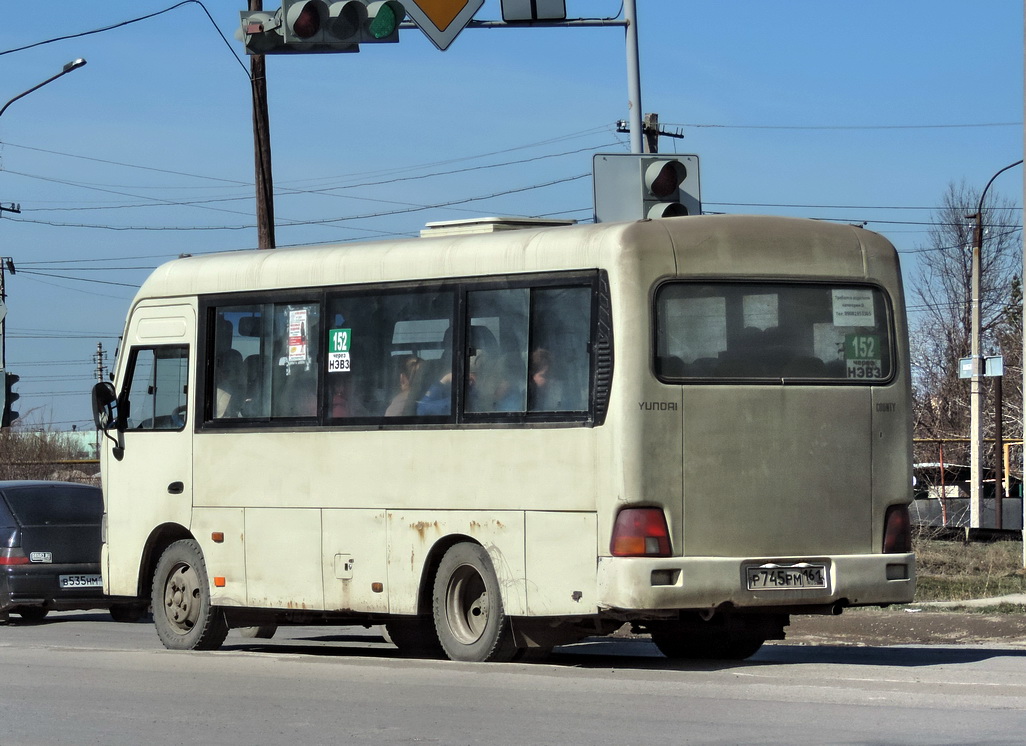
(50,551)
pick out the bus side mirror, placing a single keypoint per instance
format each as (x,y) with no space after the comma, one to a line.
(105,401)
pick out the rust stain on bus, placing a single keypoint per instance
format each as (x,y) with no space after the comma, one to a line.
(421,527)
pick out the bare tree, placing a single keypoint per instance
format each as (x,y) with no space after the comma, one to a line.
(38,454)
(940,303)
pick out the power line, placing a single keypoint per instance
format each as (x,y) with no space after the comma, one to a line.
(121,24)
(844,126)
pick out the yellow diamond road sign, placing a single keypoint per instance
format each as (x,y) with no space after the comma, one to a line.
(442,20)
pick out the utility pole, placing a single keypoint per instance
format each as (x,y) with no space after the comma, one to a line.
(6,265)
(975,353)
(652,132)
(99,358)
(262,146)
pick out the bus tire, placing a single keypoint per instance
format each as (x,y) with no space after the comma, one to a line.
(259,632)
(469,617)
(182,613)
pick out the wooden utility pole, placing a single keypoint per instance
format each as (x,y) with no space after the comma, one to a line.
(262,147)
(651,131)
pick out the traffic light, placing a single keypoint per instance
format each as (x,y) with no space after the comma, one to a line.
(320,26)
(9,415)
(631,186)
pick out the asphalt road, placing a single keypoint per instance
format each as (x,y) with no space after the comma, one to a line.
(79,678)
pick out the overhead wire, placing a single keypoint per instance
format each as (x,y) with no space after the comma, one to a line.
(129,22)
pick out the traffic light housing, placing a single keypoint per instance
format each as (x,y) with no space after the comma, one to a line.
(313,26)
(515,11)
(632,186)
(9,415)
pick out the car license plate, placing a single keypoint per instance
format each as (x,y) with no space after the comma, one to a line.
(81,581)
(786,577)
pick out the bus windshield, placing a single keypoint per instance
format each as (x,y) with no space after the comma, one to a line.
(773,332)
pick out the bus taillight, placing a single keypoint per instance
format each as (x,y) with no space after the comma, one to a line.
(897,530)
(640,532)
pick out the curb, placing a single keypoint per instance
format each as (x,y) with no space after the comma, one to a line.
(1015,598)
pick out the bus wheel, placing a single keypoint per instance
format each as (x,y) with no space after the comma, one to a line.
(469,617)
(414,637)
(259,632)
(182,612)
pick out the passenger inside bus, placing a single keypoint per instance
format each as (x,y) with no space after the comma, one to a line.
(408,376)
(433,395)
(230,385)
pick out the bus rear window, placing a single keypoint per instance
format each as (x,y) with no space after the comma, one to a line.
(773,332)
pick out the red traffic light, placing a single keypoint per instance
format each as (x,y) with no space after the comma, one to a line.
(304,19)
(664,177)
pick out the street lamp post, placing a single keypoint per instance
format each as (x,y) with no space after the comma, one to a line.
(73,65)
(8,262)
(975,387)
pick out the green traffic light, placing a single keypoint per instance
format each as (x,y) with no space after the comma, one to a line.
(384,22)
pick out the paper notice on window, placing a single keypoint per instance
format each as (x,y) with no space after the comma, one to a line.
(297,335)
(853,307)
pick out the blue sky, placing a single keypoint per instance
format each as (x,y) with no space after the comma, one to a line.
(852,112)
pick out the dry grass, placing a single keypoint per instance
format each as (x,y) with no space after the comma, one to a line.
(958,571)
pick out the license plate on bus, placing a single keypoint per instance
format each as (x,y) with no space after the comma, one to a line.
(786,577)
(81,581)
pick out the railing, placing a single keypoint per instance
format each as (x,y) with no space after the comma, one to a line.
(942,486)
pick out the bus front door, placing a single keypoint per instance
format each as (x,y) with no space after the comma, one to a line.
(151,483)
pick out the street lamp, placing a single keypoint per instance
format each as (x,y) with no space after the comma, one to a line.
(7,262)
(975,392)
(73,65)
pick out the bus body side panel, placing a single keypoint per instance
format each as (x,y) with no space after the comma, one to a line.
(335,498)
(560,564)
(283,558)
(225,558)
(354,559)
(412,534)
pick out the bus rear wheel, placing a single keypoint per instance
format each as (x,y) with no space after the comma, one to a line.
(469,617)
(182,613)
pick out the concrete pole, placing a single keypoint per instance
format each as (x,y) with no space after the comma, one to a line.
(975,389)
(630,14)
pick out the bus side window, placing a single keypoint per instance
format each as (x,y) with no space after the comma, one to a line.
(496,354)
(295,378)
(157,388)
(399,357)
(560,359)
